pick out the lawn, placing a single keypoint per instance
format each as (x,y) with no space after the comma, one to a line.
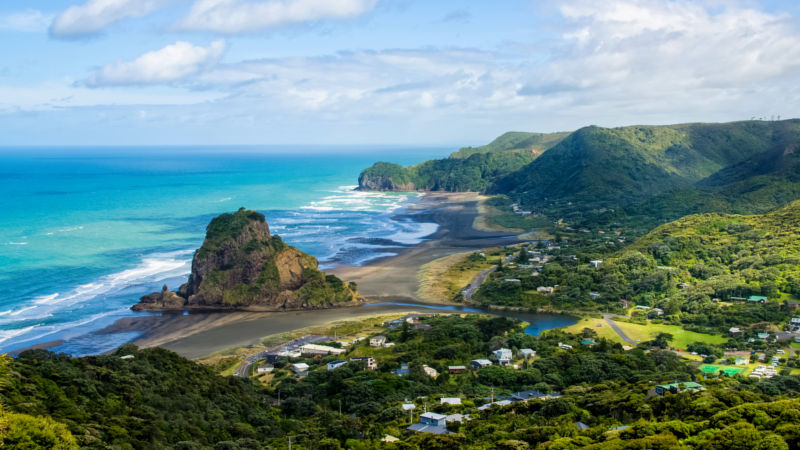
(727,370)
(681,338)
(603,331)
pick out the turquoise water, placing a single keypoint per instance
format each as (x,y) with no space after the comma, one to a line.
(84,233)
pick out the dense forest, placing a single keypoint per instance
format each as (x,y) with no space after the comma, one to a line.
(597,395)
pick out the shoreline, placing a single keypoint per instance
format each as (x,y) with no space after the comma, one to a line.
(384,279)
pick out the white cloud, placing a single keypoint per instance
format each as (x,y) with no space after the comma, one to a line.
(171,63)
(30,20)
(239,16)
(95,15)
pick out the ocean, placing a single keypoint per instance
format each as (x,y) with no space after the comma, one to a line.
(85,232)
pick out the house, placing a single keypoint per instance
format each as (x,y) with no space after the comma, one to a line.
(581,426)
(642,307)
(795,321)
(657,311)
(314,349)
(457,418)
(388,344)
(791,304)
(763,336)
(480,363)
(299,368)
(595,264)
(450,401)
(527,395)
(594,295)
(741,361)
(623,303)
(545,289)
(430,371)
(290,353)
(408,406)
(588,341)
(377,341)
(735,330)
(389,438)
(756,299)
(422,326)
(456,369)
(368,360)
(676,387)
(503,356)
(513,280)
(684,285)
(266,368)
(431,422)
(497,403)
(336,364)
(564,346)
(403,370)
(126,357)
(527,353)
(411,318)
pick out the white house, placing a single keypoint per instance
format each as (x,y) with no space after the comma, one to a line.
(565,346)
(545,289)
(480,363)
(314,349)
(336,364)
(267,368)
(503,356)
(430,371)
(299,368)
(409,407)
(450,401)
(368,360)
(377,341)
(595,264)
(527,353)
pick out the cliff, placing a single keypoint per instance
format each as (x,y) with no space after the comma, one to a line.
(241,266)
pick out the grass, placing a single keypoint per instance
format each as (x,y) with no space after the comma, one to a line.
(441,280)
(603,330)
(681,338)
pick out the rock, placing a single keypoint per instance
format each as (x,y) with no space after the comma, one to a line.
(241,266)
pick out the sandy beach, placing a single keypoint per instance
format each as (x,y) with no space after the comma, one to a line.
(388,279)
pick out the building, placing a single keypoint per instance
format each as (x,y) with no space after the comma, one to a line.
(756,299)
(763,336)
(684,285)
(453,370)
(336,364)
(480,363)
(513,280)
(314,350)
(527,353)
(266,368)
(497,403)
(430,371)
(503,356)
(564,346)
(377,341)
(735,330)
(623,303)
(545,289)
(299,368)
(588,341)
(403,370)
(431,422)
(408,406)
(422,326)
(595,264)
(676,387)
(741,361)
(368,360)
(450,401)
(657,311)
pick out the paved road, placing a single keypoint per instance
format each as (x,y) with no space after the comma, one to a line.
(476,282)
(616,328)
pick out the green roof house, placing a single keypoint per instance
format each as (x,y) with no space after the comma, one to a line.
(756,299)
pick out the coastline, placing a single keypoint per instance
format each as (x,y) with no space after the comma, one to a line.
(384,279)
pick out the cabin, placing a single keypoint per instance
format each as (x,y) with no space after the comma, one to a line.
(545,289)
(454,370)
(377,341)
(336,364)
(741,361)
(503,356)
(314,350)
(527,353)
(431,422)
(408,406)
(657,311)
(564,346)
(480,363)
(734,330)
(595,264)
(450,401)
(676,387)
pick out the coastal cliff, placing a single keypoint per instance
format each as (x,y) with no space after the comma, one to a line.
(241,266)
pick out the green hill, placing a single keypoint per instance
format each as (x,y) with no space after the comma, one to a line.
(619,167)
(518,141)
(469,169)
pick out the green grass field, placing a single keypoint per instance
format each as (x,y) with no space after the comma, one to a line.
(681,338)
(603,331)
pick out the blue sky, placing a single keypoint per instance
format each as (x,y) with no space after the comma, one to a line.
(401,72)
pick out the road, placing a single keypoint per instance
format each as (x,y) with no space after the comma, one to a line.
(476,282)
(244,368)
(616,328)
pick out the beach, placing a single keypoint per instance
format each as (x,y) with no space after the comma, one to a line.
(383,280)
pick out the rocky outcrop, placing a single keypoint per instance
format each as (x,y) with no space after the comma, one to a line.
(368,182)
(241,266)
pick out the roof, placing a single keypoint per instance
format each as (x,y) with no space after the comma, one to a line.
(756,298)
(582,425)
(450,400)
(483,362)
(433,415)
(408,406)
(457,367)
(424,428)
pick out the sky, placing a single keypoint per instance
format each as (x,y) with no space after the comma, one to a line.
(393,72)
